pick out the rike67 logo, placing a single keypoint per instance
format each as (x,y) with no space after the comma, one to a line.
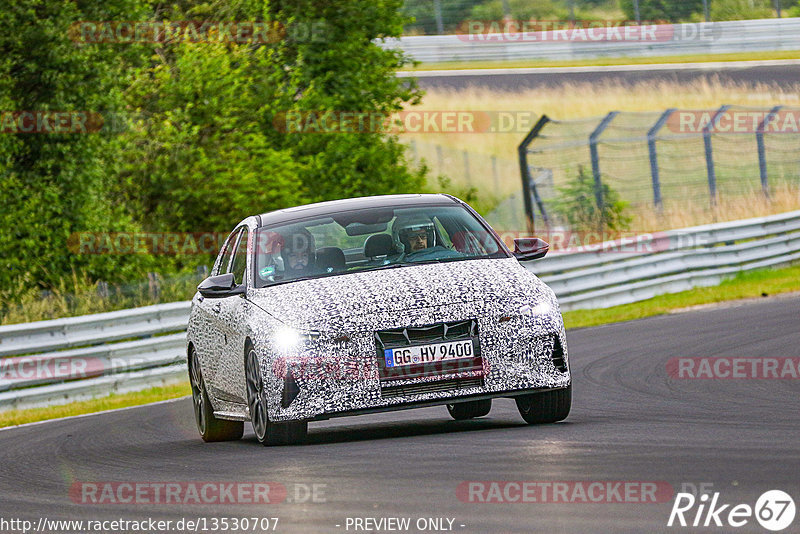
(774,510)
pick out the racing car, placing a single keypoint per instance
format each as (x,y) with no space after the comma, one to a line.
(367,305)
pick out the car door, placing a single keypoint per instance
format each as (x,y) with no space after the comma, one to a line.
(232,324)
(209,342)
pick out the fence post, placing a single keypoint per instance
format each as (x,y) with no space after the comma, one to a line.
(154,288)
(651,144)
(712,175)
(762,153)
(528,187)
(102,289)
(598,183)
(437,13)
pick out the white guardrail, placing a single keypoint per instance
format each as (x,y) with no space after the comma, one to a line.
(52,362)
(656,40)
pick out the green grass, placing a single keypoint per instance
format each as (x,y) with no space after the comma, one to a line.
(110,402)
(746,285)
(607,61)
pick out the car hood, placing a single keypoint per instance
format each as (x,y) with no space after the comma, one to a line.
(336,301)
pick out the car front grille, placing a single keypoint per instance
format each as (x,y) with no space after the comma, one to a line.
(420,335)
(389,391)
(423,335)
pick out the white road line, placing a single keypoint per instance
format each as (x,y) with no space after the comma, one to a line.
(716,65)
(95,413)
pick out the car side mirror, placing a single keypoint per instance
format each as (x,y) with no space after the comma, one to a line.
(530,248)
(220,286)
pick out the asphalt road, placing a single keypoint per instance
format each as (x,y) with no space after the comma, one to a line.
(784,77)
(630,422)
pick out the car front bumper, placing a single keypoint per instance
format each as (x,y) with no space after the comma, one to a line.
(343,378)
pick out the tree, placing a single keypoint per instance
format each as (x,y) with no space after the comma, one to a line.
(53,185)
(344,70)
(657,10)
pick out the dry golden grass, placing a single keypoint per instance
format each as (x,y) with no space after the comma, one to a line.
(444,152)
(683,214)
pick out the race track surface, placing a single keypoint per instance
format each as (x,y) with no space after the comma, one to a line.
(630,422)
(783,77)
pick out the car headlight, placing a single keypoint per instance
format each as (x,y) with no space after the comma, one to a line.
(287,338)
(542,308)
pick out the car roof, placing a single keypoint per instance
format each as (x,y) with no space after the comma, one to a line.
(321,209)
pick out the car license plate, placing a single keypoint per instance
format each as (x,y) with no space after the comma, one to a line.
(429,353)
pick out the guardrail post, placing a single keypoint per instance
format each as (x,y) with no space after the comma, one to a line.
(598,183)
(529,192)
(712,175)
(762,155)
(651,145)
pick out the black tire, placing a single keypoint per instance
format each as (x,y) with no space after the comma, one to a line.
(210,428)
(267,432)
(469,410)
(546,407)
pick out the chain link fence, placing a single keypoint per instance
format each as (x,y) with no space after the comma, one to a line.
(669,159)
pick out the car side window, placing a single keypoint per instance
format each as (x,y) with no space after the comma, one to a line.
(240,258)
(225,255)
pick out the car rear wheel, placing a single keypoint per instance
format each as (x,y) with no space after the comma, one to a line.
(210,428)
(469,410)
(267,432)
(546,407)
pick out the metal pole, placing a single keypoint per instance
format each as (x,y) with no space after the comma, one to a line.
(706,11)
(712,175)
(636,12)
(437,9)
(651,144)
(762,152)
(528,187)
(571,6)
(506,10)
(778,7)
(598,183)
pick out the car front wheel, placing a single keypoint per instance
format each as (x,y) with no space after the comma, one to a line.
(545,407)
(267,432)
(210,428)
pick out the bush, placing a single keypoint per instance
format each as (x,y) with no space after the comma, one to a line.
(576,203)
(670,10)
(520,10)
(740,9)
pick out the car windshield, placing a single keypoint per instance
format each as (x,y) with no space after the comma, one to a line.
(370,239)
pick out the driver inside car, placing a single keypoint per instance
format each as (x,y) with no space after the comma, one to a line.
(417,237)
(414,234)
(298,252)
